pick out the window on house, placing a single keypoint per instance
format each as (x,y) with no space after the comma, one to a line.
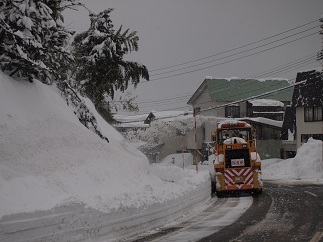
(232,111)
(313,114)
(317,113)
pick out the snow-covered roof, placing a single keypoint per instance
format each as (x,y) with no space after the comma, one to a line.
(265,121)
(132,125)
(171,114)
(138,120)
(308,94)
(258,120)
(131,118)
(266,102)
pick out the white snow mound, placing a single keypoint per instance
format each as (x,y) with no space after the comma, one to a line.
(48,158)
(306,165)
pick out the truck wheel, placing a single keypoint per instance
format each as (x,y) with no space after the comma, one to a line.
(220,194)
(213,187)
(257,192)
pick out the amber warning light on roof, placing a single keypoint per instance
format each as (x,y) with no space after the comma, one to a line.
(235,124)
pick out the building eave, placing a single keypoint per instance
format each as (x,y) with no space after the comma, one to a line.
(197,93)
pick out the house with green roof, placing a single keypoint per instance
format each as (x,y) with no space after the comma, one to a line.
(262,103)
(237,98)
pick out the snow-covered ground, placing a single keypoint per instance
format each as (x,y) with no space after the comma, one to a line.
(49,159)
(306,166)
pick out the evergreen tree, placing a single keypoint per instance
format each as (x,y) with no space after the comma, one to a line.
(32,38)
(32,45)
(100,67)
(320,53)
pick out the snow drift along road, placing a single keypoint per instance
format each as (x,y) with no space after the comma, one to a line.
(48,158)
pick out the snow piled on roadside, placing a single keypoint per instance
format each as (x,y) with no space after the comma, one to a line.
(178,176)
(48,158)
(180,160)
(306,166)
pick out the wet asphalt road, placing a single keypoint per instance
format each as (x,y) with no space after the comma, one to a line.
(281,213)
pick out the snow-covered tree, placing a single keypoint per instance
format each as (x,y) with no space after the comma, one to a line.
(32,38)
(320,53)
(32,45)
(100,67)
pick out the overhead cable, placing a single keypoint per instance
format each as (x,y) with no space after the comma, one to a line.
(234,54)
(232,60)
(236,48)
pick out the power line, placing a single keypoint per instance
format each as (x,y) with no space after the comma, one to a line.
(223,89)
(297,64)
(274,72)
(239,47)
(229,61)
(290,68)
(253,97)
(280,69)
(277,70)
(283,67)
(241,52)
(167,99)
(237,86)
(249,98)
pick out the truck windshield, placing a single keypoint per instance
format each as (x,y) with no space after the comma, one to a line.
(242,135)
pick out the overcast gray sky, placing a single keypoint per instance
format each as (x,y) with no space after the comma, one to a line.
(173,32)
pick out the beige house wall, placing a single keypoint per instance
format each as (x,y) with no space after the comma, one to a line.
(210,127)
(204,134)
(221,110)
(190,138)
(172,145)
(243,109)
(204,101)
(303,127)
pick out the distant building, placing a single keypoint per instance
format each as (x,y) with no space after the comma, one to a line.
(164,143)
(132,122)
(143,121)
(267,135)
(214,97)
(266,108)
(215,92)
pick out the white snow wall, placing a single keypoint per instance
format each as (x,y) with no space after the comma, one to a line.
(77,223)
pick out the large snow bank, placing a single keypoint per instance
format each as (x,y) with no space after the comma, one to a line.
(48,158)
(307,165)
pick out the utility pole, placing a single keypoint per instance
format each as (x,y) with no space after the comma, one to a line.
(195,139)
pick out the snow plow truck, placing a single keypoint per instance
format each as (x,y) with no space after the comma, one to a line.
(237,164)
